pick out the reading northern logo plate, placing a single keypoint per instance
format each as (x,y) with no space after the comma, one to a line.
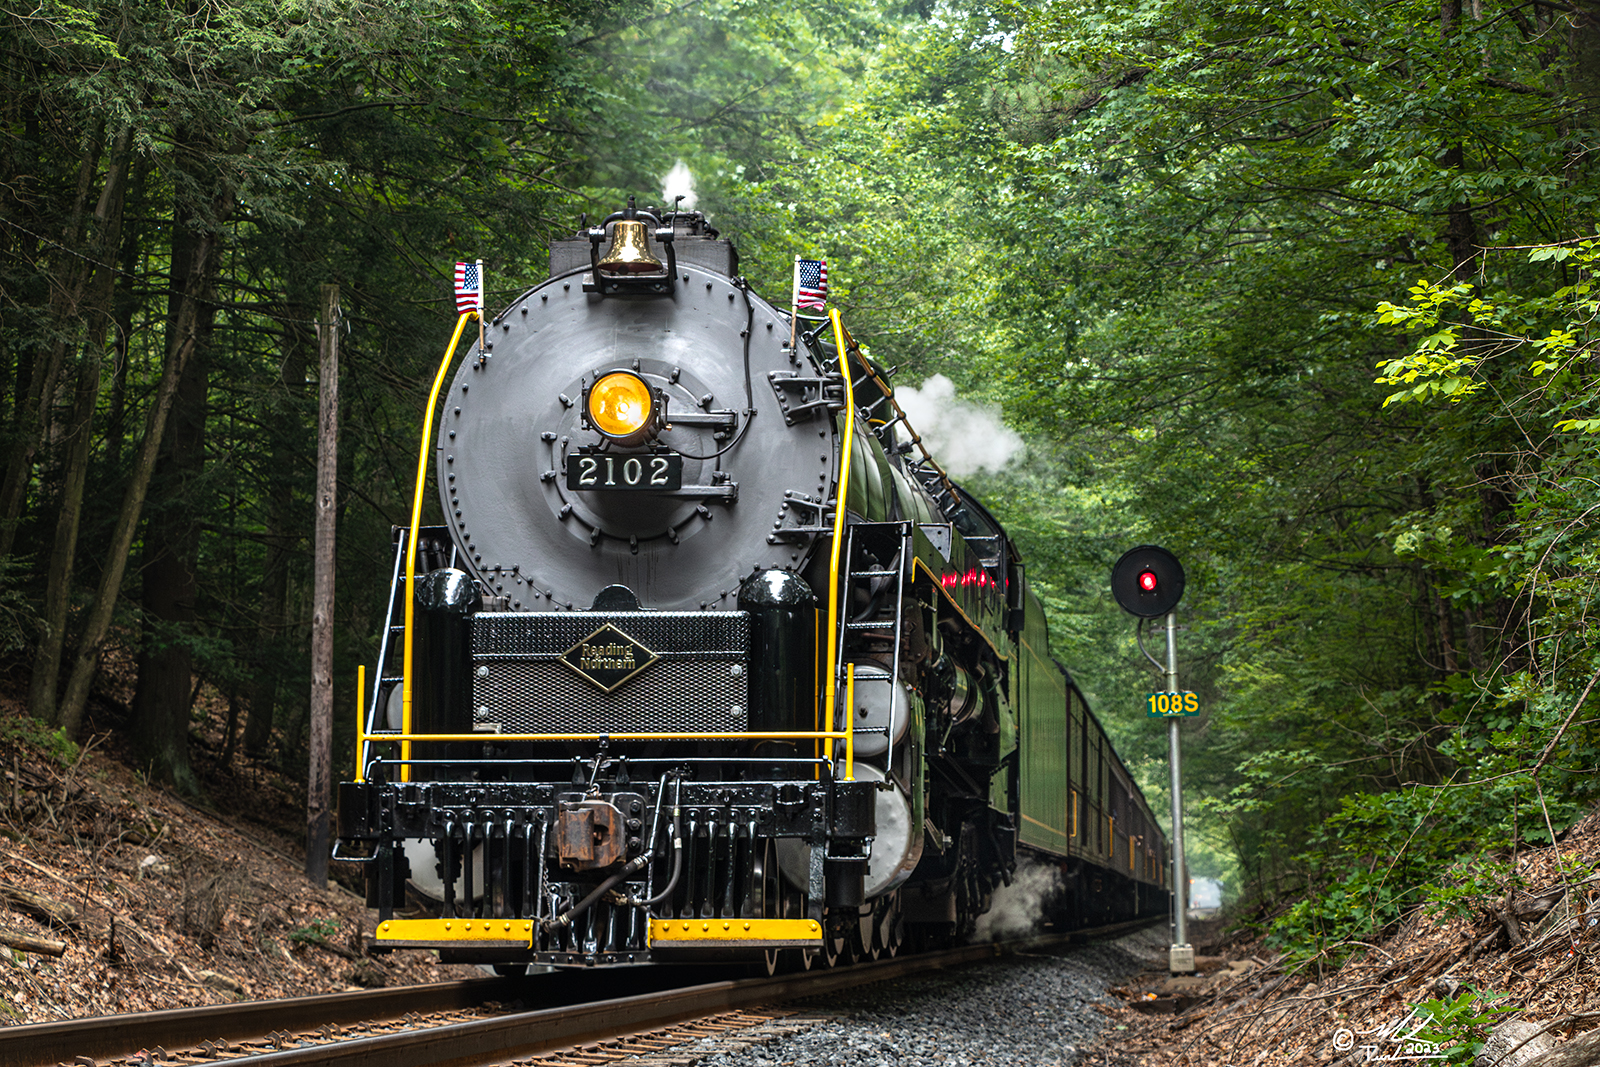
(608,657)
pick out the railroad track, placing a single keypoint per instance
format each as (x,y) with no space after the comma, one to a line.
(261,1025)
(445,1023)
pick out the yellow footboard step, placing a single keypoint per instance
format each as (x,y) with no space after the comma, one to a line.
(431,933)
(735,933)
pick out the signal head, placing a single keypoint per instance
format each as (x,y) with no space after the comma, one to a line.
(1147,581)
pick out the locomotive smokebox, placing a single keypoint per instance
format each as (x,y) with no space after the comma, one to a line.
(657,434)
(442,691)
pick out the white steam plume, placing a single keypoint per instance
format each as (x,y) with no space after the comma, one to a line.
(678,181)
(964,436)
(1018,908)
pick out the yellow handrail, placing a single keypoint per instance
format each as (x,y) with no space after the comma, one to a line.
(361,717)
(714,735)
(850,722)
(846,453)
(363,739)
(411,542)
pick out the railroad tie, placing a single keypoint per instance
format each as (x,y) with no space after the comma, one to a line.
(682,1044)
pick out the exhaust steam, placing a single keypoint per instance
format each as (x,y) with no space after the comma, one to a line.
(965,436)
(1019,908)
(679,180)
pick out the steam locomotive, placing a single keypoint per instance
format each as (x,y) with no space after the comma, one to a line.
(711,660)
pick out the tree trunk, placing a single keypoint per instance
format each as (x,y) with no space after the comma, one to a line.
(163,696)
(281,534)
(79,436)
(1447,632)
(44,381)
(1585,66)
(1461,233)
(318,785)
(97,624)
(125,305)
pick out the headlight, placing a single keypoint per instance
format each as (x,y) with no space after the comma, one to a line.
(622,406)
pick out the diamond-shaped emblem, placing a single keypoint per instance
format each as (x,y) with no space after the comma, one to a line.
(608,657)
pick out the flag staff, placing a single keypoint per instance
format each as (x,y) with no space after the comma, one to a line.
(810,292)
(482,348)
(794,303)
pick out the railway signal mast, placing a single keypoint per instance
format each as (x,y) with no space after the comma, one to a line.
(1148,582)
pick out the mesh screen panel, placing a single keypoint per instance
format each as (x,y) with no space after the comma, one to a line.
(698,683)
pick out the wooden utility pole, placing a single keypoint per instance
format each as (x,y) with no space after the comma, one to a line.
(318,786)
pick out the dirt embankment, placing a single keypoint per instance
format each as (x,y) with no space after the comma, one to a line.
(1532,957)
(123,898)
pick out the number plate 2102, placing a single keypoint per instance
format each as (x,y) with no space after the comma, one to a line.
(657,472)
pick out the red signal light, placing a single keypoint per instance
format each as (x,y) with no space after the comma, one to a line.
(1147,581)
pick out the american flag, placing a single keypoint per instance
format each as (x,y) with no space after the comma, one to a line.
(469,287)
(810,283)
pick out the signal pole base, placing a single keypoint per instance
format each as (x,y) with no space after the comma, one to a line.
(1180,959)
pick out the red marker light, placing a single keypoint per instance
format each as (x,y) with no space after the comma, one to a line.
(1147,581)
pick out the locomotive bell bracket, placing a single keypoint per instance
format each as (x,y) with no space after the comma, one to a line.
(652,284)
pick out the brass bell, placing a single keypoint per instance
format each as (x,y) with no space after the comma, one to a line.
(630,251)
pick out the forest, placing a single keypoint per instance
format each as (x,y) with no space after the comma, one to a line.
(1302,292)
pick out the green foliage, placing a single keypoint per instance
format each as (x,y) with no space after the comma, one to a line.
(315,932)
(1234,188)
(1372,861)
(363,144)
(1381,855)
(1468,887)
(1460,1025)
(1332,924)
(1547,331)
(52,744)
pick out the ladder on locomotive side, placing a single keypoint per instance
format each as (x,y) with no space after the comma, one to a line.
(435,549)
(876,556)
(876,563)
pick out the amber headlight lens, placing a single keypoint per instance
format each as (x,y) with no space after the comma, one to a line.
(621,404)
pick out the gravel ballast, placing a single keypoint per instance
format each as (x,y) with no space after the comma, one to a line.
(1035,1010)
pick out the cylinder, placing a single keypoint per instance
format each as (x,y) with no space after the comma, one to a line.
(881,711)
(441,692)
(783,622)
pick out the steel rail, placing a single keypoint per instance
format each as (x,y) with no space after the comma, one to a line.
(529,1033)
(112,1037)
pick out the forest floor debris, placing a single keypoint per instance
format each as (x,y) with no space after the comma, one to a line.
(1532,956)
(116,897)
